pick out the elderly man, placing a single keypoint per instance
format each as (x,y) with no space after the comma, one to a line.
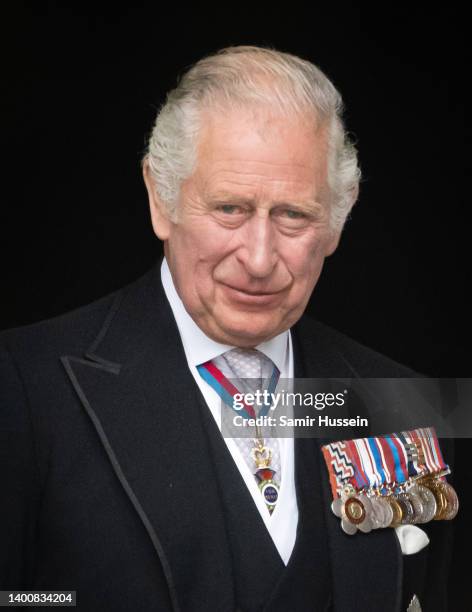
(118,482)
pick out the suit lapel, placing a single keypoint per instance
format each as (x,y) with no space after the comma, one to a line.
(366,568)
(135,386)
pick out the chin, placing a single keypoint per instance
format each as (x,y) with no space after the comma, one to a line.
(248,336)
(245,329)
(244,341)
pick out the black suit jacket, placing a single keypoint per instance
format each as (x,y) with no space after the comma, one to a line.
(106,490)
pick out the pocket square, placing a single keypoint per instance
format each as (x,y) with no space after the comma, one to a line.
(412,539)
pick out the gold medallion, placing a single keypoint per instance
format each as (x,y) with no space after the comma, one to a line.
(452,501)
(354,510)
(396,509)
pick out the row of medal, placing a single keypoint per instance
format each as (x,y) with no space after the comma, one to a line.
(387,481)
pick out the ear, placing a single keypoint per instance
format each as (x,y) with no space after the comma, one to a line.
(159,215)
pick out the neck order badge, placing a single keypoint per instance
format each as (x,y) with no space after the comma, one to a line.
(248,364)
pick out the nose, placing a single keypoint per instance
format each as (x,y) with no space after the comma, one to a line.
(259,254)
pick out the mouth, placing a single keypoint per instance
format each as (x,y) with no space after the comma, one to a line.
(251,297)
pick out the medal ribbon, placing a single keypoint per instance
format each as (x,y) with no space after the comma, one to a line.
(226,390)
(399,459)
(368,462)
(436,450)
(406,440)
(427,439)
(344,466)
(377,462)
(383,460)
(360,477)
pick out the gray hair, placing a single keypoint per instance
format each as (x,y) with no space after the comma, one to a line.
(245,76)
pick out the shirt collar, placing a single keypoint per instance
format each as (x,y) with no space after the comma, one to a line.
(198,347)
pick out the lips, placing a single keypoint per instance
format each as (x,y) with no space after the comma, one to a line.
(248,292)
(251,297)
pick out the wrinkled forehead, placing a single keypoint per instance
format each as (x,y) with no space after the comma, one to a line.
(257,144)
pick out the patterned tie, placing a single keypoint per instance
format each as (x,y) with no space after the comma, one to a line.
(253,371)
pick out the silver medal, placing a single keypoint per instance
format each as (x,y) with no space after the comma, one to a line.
(407,508)
(417,503)
(382,514)
(388,512)
(429,503)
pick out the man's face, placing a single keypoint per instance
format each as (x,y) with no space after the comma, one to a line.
(253,225)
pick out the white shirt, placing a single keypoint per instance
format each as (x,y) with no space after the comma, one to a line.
(199,348)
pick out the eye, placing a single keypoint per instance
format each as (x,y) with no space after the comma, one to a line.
(294,214)
(230,215)
(291,218)
(229,209)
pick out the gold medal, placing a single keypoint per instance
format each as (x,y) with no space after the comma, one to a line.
(449,500)
(452,501)
(396,509)
(354,510)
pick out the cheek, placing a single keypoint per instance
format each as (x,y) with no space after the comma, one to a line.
(203,242)
(305,258)
(305,262)
(197,251)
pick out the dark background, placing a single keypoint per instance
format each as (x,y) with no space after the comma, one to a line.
(81,91)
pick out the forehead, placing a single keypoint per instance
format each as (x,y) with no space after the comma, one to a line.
(257,150)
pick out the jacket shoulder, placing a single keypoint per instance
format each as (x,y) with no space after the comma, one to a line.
(72,329)
(70,333)
(359,360)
